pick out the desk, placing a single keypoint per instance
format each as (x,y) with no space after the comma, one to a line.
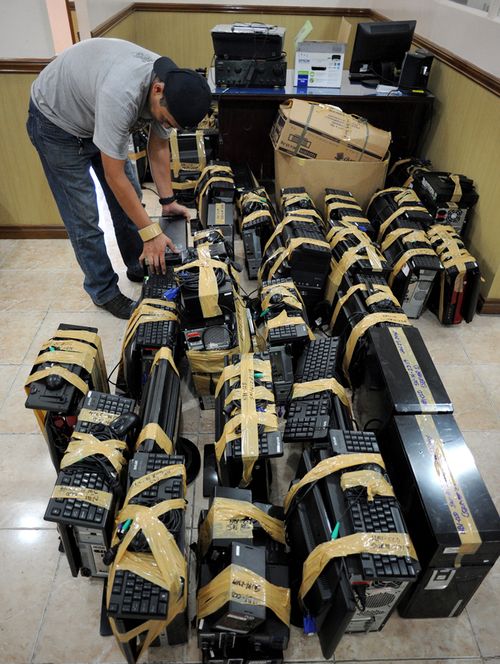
(246,116)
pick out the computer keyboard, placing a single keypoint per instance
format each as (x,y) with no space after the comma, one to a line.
(287,333)
(134,597)
(270,445)
(156,334)
(155,285)
(105,403)
(73,511)
(381,515)
(144,463)
(308,418)
(351,442)
(319,360)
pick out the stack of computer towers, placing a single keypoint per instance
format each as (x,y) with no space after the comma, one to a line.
(282,319)
(352,559)
(401,221)
(297,249)
(402,171)
(342,209)
(212,315)
(256,224)
(153,325)
(90,482)
(246,424)
(215,198)
(451,519)
(455,295)
(67,366)
(448,197)
(362,302)
(243,597)
(190,152)
(147,587)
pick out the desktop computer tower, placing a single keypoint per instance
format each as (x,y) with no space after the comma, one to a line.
(451,518)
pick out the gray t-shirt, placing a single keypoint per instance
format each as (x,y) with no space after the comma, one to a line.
(99,88)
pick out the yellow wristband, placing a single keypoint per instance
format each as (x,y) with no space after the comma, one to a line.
(151,231)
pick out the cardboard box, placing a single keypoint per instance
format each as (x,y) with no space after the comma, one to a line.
(320,131)
(361,178)
(319,64)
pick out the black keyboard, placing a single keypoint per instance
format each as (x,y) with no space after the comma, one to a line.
(270,446)
(105,403)
(157,334)
(77,512)
(308,418)
(144,463)
(349,442)
(134,597)
(319,360)
(156,284)
(287,333)
(381,515)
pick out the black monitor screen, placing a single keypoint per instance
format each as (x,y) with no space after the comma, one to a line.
(379,50)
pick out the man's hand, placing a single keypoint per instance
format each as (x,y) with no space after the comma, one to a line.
(176,209)
(154,253)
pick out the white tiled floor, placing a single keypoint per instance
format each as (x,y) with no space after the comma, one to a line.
(48,617)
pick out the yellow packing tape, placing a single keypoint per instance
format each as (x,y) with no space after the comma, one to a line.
(92,496)
(384,544)
(404,258)
(392,217)
(453,493)
(328,467)
(360,328)
(375,483)
(83,445)
(165,566)
(146,481)
(243,586)
(415,374)
(233,519)
(321,385)
(153,431)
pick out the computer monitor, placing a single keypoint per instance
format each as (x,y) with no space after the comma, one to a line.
(379,49)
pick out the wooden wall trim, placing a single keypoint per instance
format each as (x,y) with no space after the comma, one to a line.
(33,233)
(250,9)
(488,305)
(114,20)
(479,76)
(23,65)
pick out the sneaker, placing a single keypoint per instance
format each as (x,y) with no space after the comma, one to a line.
(135,274)
(120,306)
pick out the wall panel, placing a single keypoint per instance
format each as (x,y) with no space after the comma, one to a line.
(185,37)
(25,197)
(464,137)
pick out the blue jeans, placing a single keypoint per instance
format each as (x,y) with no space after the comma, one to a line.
(66,161)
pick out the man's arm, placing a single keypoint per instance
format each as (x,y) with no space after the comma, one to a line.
(154,249)
(159,163)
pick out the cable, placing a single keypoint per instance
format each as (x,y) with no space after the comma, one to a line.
(149,189)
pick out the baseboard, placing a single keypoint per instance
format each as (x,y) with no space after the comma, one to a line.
(489,306)
(33,233)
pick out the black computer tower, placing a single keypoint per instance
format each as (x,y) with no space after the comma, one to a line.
(451,518)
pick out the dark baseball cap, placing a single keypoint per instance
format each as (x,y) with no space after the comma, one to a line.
(187,93)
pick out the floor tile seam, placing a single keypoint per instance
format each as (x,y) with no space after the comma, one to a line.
(33,338)
(45,609)
(45,529)
(9,390)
